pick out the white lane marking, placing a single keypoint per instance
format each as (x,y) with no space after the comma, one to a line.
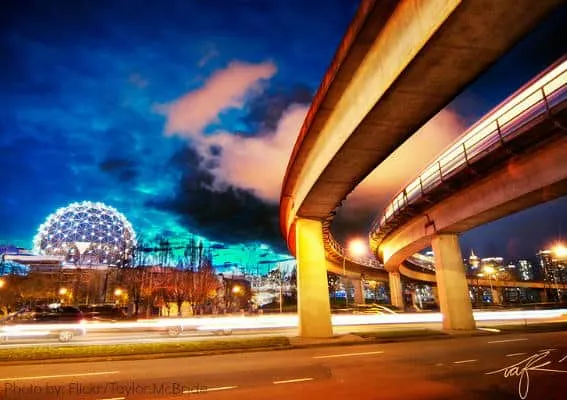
(114,398)
(212,389)
(463,362)
(292,381)
(350,354)
(508,340)
(541,351)
(23,378)
(563,359)
(489,329)
(515,354)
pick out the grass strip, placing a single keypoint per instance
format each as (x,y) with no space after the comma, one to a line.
(125,349)
(400,334)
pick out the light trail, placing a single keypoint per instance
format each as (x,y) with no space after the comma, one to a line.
(267,322)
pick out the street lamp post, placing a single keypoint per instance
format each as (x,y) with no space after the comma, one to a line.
(281,286)
(2,284)
(490,271)
(236,290)
(62,292)
(118,294)
(560,254)
(356,247)
(345,279)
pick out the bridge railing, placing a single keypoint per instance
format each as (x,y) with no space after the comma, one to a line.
(366,261)
(418,259)
(502,124)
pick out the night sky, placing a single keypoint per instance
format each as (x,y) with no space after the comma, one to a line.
(182,115)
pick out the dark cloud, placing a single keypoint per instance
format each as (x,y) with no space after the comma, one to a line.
(215,150)
(266,110)
(230,215)
(122,169)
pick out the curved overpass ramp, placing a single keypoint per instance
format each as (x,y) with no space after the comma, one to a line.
(512,159)
(400,63)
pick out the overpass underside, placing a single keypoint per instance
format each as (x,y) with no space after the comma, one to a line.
(529,169)
(399,64)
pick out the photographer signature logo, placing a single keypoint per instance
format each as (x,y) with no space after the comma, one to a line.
(522,369)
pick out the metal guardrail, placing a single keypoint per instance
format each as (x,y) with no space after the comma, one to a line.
(332,245)
(339,250)
(502,124)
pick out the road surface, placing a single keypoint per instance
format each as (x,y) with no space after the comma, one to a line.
(526,366)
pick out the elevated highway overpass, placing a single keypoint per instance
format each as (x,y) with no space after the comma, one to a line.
(511,159)
(399,64)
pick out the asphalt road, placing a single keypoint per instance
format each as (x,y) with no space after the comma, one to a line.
(532,366)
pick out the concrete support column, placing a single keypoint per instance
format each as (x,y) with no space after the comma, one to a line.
(358,291)
(496,296)
(544,297)
(313,307)
(435,293)
(396,295)
(452,285)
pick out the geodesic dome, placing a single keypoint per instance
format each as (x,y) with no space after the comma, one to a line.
(87,233)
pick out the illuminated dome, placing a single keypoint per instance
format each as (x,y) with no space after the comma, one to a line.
(87,233)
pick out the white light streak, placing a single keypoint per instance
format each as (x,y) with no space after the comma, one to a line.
(293,381)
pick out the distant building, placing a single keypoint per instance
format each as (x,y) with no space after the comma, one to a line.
(525,270)
(37,263)
(87,233)
(554,271)
(554,268)
(474,261)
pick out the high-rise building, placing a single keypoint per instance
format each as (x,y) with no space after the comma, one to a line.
(474,262)
(553,265)
(524,270)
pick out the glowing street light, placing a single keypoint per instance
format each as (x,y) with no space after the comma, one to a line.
(490,271)
(560,251)
(2,283)
(63,291)
(357,248)
(118,292)
(236,289)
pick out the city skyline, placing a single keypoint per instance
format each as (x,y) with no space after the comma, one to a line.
(187,127)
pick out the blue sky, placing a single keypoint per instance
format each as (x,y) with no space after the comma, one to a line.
(88,90)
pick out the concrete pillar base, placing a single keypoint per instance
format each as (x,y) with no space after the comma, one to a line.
(435,293)
(313,306)
(396,295)
(496,296)
(452,283)
(358,291)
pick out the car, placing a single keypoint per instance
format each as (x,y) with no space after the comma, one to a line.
(177,329)
(61,322)
(103,312)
